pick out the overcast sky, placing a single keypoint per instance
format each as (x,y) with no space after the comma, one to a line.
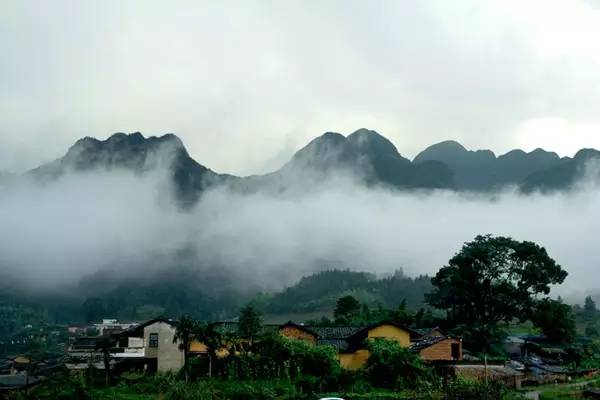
(245,83)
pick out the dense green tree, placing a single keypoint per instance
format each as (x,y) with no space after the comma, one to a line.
(490,282)
(250,322)
(346,308)
(555,320)
(589,308)
(424,319)
(185,330)
(403,315)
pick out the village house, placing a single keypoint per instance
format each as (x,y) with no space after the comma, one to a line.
(15,374)
(150,345)
(147,346)
(349,342)
(111,326)
(76,330)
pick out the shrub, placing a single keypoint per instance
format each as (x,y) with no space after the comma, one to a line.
(392,366)
(246,390)
(274,356)
(467,389)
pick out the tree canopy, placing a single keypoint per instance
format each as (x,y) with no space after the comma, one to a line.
(555,319)
(589,307)
(250,322)
(346,308)
(490,281)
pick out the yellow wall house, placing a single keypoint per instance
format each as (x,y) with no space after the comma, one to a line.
(350,341)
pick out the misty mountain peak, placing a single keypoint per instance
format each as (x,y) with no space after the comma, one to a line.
(364,154)
(446,146)
(368,156)
(323,152)
(136,153)
(536,156)
(539,150)
(323,145)
(586,154)
(328,138)
(365,133)
(453,151)
(120,149)
(365,140)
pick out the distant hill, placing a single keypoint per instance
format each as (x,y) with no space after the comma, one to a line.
(135,153)
(482,170)
(212,294)
(365,156)
(319,292)
(565,174)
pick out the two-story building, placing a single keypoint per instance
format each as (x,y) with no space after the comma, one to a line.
(149,345)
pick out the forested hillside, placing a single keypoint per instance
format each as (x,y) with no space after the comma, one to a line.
(319,292)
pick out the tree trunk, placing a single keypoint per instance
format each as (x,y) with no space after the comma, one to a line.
(185,364)
(106,369)
(209,365)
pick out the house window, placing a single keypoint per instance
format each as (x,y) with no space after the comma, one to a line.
(153,340)
(455,351)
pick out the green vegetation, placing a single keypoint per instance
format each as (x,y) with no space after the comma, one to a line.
(169,387)
(350,312)
(202,294)
(185,331)
(346,308)
(491,282)
(555,320)
(26,329)
(392,366)
(250,322)
(320,291)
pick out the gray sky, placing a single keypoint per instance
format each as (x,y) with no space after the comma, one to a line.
(244,84)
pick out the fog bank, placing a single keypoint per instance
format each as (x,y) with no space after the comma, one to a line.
(55,234)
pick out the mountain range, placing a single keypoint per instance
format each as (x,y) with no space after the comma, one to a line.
(365,156)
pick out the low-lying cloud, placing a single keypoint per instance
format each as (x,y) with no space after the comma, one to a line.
(55,234)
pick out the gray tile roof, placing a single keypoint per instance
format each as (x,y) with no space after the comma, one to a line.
(427,342)
(339,344)
(334,332)
(233,327)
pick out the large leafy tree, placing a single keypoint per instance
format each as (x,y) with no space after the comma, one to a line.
(250,322)
(490,282)
(555,319)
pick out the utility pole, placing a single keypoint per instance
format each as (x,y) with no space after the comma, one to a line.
(485,369)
